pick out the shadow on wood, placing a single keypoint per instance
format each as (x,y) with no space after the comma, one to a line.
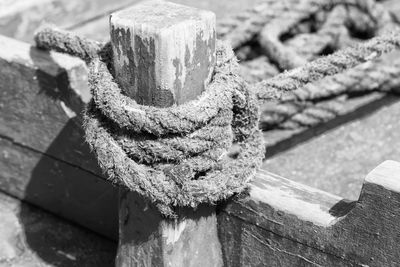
(44,158)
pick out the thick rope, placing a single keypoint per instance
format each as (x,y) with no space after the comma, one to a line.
(287,58)
(287,40)
(279,86)
(381,74)
(178,156)
(175,156)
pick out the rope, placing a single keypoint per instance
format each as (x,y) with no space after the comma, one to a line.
(175,156)
(287,40)
(287,58)
(179,156)
(279,86)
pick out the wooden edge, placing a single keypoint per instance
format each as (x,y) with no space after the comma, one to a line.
(315,225)
(386,175)
(287,196)
(310,204)
(52,106)
(43,157)
(49,62)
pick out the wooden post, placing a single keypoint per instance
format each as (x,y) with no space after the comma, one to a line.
(164,54)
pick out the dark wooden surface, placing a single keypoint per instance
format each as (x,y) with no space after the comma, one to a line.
(44,158)
(282,223)
(30,237)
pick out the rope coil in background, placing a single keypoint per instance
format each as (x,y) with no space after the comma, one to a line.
(294,32)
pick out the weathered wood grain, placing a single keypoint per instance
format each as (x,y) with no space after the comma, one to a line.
(148,239)
(165,54)
(41,97)
(30,237)
(281,223)
(59,187)
(20,18)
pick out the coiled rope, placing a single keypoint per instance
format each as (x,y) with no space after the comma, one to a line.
(179,156)
(175,156)
(292,33)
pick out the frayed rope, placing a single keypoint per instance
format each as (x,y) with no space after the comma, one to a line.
(178,156)
(175,156)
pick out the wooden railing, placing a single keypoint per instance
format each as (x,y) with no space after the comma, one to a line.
(283,223)
(276,223)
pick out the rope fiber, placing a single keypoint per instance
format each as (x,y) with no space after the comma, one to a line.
(176,156)
(180,156)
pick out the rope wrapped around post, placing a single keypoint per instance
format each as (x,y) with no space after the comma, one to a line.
(177,156)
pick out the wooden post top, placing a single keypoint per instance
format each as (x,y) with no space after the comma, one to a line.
(164,53)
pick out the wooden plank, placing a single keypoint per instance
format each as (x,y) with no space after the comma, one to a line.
(178,44)
(31,237)
(59,187)
(282,222)
(20,18)
(42,95)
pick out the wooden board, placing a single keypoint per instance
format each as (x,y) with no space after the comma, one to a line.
(282,223)
(42,96)
(59,187)
(45,159)
(31,237)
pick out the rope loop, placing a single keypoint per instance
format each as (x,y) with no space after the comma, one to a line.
(175,156)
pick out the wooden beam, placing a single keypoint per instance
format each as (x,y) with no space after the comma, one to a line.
(164,54)
(44,157)
(41,94)
(58,187)
(282,223)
